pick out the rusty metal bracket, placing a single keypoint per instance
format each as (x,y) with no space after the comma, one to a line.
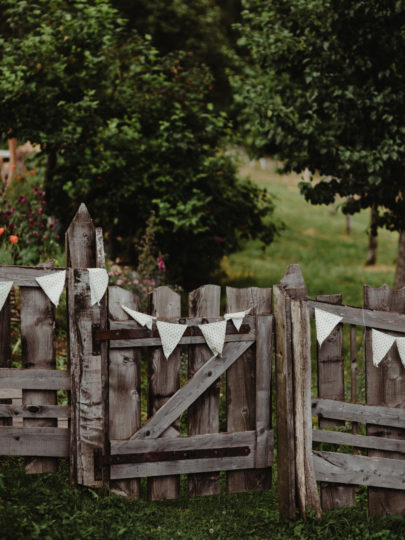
(172,455)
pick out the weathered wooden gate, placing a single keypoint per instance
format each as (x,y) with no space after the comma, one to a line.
(157,448)
(369,451)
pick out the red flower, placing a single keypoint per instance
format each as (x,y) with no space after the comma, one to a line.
(13,238)
(1,230)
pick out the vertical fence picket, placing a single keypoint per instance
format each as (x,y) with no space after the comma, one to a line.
(164,381)
(89,399)
(331,385)
(38,351)
(241,388)
(203,416)
(124,385)
(301,336)
(5,348)
(385,385)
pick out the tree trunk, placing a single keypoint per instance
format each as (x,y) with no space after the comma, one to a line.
(400,269)
(372,239)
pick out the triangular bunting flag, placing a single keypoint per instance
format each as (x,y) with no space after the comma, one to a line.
(98,279)
(325,322)
(237,318)
(52,284)
(170,334)
(141,318)
(214,334)
(381,344)
(401,348)
(5,287)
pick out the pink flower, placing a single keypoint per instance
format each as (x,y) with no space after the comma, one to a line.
(119,281)
(161,264)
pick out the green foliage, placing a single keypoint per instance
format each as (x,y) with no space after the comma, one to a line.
(326,91)
(202,28)
(127,131)
(27,234)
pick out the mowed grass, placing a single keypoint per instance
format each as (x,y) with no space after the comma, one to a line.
(315,237)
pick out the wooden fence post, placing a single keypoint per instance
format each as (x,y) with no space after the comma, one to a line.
(331,385)
(305,472)
(241,388)
(5,348)
(89,399)
(164,381)
(124,385)
(385,385)
(203,416)
(291,285)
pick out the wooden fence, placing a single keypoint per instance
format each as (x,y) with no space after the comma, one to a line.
(205,414)
(369,451)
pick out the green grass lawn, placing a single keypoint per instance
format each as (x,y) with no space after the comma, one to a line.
(315,237)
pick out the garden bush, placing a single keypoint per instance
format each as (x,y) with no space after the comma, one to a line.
(127,131)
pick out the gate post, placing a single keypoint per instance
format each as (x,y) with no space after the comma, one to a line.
(89,404)
(292,285)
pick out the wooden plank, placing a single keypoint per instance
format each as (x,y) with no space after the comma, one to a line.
(202,442)
(360,470)
(5,347)
(378,319)
(203,415)
(89,391)
(34,411)
(196,339)
(164,381)
(355,412)
(293,282)
(264,357)
(385,385)
(10,393)
(241,388)
(25,276)
(192,466)
(189,393)
(360,441)
(38,352)
(124,386)
(301,336)
(285,404)
(35,379)
(38,441)
(331,386)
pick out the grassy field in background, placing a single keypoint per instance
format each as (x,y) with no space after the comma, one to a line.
(315,237)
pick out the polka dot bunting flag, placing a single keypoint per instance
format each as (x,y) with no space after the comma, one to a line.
(98,279)
(53,284)
(214,334)
(381,344)
(5,287)
(170,334)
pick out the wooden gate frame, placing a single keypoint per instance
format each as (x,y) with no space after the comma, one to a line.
(146,454)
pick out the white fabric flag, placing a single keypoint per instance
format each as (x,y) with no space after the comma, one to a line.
(325,322)
(401,348)
(141,318)
(214,334)
(381,344)
(98,279)
(170,334)
(53,284)
(237,318)
(5,287)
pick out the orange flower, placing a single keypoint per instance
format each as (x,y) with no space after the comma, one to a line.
(32,173)
(13,238)
(1,230)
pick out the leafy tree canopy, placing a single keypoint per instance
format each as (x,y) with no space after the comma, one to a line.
(126,130)
(327,92)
